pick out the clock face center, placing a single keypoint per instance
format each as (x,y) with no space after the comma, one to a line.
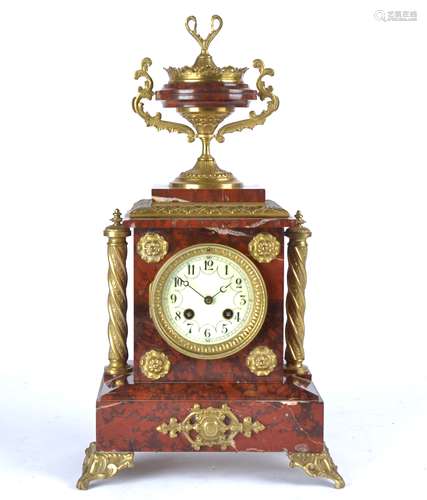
(208,299)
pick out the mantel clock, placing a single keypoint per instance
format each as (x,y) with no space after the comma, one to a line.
(218,347)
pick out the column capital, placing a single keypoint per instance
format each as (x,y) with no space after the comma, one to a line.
(298,232)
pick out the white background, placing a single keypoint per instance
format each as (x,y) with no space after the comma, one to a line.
(347,147)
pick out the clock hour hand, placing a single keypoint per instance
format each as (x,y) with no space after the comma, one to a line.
(222,290)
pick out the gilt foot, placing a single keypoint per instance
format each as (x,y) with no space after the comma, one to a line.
(317,465)
(102,465)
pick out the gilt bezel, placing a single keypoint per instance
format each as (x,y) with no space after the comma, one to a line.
(227,347)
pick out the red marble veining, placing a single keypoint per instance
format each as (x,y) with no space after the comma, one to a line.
(229,369)
(210,195)
(128,414)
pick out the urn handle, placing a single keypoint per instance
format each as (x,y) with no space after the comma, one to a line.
(254,119)
(146,92)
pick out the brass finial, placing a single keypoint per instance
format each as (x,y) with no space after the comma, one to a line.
(203,42)
(117,217)
(299,218)
(204,69)
(205,95)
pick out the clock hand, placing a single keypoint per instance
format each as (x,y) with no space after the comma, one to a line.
(186,283)
(223,289)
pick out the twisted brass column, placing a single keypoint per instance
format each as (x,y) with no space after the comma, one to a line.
(117,301)
(295,299)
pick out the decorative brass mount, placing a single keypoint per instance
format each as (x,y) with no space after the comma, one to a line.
(211,427)
(154,364)
(205,116)
(103,465)
(264,247)
(317,465)
(152,247)
(261,361)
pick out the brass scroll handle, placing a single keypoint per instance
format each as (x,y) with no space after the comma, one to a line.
(254,119)
(146,92)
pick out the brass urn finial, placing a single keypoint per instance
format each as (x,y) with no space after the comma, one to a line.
(205,95)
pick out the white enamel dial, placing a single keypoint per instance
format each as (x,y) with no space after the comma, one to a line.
(208,301)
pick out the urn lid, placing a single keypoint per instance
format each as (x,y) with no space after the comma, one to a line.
(204,69)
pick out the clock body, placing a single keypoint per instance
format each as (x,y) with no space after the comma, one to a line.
(246,315)
(211,388)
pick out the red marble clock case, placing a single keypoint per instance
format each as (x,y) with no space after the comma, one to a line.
(130,408)
(232,368)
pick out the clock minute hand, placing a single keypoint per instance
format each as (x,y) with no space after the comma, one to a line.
(186,283)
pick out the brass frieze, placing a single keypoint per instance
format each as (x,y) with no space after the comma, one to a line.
(146,209)
(211,427)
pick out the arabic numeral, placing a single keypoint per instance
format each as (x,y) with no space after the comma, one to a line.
(191,269)
(209,265)
(173,298)
(226,269)
(178,315)
(243,300)
(207,333)
(224,329)
(237,316)
(178,281)
(190,327)
(238,283)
